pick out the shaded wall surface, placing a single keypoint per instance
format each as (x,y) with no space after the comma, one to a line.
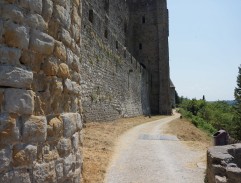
(40,107)
(114,84)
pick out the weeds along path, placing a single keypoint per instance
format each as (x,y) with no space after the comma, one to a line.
(145,154)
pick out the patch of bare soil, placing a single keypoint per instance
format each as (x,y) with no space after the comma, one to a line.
(98,144)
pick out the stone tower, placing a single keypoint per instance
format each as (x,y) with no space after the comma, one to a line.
(148,42)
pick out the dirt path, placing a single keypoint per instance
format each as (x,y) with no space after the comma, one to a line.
(145,154)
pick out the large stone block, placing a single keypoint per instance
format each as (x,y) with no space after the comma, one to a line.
(16,36)
(64,147)
(50,66)
(66,38)
(16,176)
(63,70)
(72,123)
(9,131)
(69,166)
(24,155)
(5,158)
(55,129)
(32,60)
(63,16)
(44,172)
(32,5)
(60,51)
(47,10)
(19,101)
(11,12)
(59,168)
(34,129)
(36,21)
(41,43)
(9,56)
(15,77)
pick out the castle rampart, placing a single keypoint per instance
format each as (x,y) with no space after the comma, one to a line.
(40,107)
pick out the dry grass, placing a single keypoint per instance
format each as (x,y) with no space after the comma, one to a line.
(98,144)
(186,131)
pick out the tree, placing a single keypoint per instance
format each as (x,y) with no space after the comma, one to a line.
(237,95)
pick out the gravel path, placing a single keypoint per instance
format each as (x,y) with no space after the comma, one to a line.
(145,155)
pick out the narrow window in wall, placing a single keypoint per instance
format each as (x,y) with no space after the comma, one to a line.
(143,19)
(106,33)
(140,46)
(116,45)
(91,16)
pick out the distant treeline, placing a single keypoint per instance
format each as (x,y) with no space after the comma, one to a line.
(212,116)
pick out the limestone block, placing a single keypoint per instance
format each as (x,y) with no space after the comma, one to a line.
(68,86)
(70,57)
(48,154)
(44,172)
(79,160)
(9,56)
(60,51)
(76,64)
(75,141)
(16,176)
(64,147)
(50,66)
(32,60)
(55,128)
(9,131)
(75,16)
(75,31)
(56,87)
(66,38)
(36,21)
(41,43)
(34,129)
(47,10)
(69,166)
(16,36)
(219,179)
(32,5)
(59,168)
(19,101)
(76,89)
(11,12)
(63,15)
(72,123)
(15,77)
(63,70)
(24,155)
(5,158)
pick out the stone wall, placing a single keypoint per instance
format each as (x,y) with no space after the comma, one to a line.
(40,107)
(224,164)
(113,83)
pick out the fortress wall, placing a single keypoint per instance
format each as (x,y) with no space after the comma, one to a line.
(40,107)
(113,84)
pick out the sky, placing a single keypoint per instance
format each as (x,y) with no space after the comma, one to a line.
(205,47)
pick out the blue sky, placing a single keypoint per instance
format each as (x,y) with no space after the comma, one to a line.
(205,47)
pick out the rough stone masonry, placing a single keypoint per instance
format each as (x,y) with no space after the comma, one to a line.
(63,61)
(40,107)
